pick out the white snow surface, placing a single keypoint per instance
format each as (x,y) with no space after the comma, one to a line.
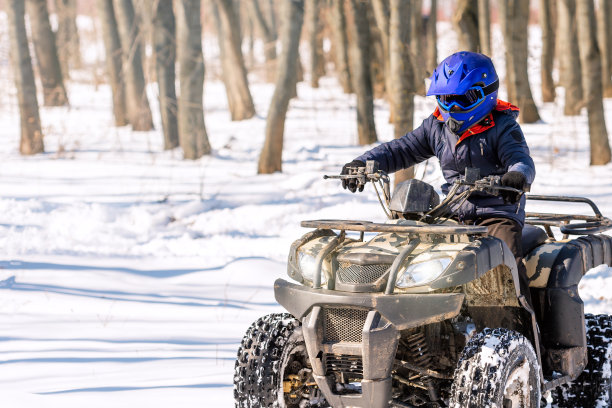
(128,276)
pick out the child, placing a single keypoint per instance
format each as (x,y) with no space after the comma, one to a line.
(469,128)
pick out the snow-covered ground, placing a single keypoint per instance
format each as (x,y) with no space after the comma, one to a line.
(128,276)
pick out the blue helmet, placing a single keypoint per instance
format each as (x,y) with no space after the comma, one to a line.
(465,85)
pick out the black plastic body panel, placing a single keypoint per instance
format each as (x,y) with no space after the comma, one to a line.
(402,310)
(558,306)
(413,196)
(474,261)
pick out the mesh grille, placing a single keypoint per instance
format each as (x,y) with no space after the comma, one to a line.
(351,273)
(344,364)
(344,325)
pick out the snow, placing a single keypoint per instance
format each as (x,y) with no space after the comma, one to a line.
(128,276)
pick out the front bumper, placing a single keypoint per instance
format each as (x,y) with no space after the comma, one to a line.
(380,318)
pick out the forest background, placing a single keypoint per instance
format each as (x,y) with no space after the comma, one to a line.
(157,157)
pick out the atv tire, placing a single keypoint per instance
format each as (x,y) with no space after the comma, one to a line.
(498,368)
(593,387)
(271,350)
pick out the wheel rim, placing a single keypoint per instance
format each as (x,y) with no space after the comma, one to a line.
(516,392)
(294,375)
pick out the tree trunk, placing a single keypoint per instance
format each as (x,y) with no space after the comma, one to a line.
(382,15)
(338,27)
(359,57)
(515,14)
(484,26)
(416,45)
(192,131)
(31,134)
(248,30)
(548,51)
(400,67)
(164,42)
(591,81)
(138,108)
(270,13)
(271,157)
(503,22)
(315,41)
(112,46)
(378,57)
(570,72)
(269,38)
(432,38)
(54,93)
(604,27)
(143,13)
(239,97)
(465,21)
(67,35)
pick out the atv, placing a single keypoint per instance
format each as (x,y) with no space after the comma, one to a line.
(422,311)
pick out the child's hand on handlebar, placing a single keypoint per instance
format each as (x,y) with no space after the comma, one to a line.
(352,184)
(514,179)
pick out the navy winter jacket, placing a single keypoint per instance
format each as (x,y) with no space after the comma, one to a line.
(495,145)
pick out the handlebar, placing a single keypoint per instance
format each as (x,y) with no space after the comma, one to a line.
(369,173)
(363,175)
(471,181)
(490,185)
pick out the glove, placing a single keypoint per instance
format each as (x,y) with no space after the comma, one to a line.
(514,179)
(351,184)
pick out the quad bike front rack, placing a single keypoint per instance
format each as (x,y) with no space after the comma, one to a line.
(593,224)
(366,226)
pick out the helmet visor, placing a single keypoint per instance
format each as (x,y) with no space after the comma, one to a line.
(465,101)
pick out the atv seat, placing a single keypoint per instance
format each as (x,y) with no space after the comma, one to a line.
(532,238)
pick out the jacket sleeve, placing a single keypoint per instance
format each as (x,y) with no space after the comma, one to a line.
(513,152)
(397,154)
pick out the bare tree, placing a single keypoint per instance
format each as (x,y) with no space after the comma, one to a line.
(432,37)
(138,108)
(417,46)
(112,46)
(164,41)
(271,157)
(548,51)
(31,134)
(359,57)
(192,131)
(269,8)
(67,35)
(570,72)
(465,21)
(269,35)
(54,93)
(604,28)
(591,81)
(400,67)
(338,26)
(248,31)
(515,16)
(378,56)
(234,72)
(315,41)
(484,26)
(382,16)
(143,15)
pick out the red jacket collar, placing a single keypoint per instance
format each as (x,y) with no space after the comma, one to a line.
(482,125)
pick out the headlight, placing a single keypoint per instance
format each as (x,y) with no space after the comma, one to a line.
(421,271)
(308,267)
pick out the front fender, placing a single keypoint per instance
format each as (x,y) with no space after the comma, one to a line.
(402,310)
(471,263)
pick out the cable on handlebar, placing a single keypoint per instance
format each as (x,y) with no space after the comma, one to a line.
(380,201)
